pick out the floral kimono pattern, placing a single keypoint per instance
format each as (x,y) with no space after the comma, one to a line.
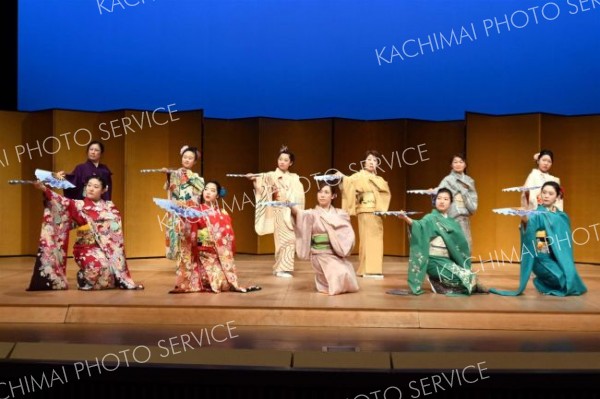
(206,261)
(452,272)
(185,187)
(99,250)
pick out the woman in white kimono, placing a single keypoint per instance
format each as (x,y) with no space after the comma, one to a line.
(325,236)
(532,199)
(279,185)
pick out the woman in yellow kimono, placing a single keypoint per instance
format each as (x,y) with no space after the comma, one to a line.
(185,187)
(362,194)
(279,185)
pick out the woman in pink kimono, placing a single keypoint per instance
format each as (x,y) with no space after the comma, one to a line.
(325,236)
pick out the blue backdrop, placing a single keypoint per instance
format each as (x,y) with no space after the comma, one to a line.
(367,59)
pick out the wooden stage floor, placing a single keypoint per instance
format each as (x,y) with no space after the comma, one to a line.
(288,314)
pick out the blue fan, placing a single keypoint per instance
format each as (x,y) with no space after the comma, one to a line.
(182,211)
(514,211)
(46,177)
(276,203)
(395,213)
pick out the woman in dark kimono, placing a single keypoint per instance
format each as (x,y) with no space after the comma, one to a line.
(83,171)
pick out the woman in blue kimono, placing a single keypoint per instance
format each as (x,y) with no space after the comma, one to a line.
(546,249)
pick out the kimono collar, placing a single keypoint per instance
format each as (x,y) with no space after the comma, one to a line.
(440,214)
(546,175)
(331,209)
(369,173)
(456,174)
(281,172)
(89,204)
(94,165)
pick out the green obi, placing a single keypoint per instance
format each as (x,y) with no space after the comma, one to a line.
(320,242)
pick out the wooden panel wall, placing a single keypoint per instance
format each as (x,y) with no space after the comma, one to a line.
(427,159)
(231,146)
(155,143)
(575,142)
(500,151)
(21,206)
(309,140)
(351,139)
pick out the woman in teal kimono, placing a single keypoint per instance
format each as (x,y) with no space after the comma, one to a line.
(439,250)
(546,249)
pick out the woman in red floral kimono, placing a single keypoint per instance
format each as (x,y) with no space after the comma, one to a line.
(207,248)
(98,251)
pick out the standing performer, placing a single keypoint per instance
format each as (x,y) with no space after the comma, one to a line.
(325,236)
(439,250)
(538,177)
(547,250)
(84,171)
(99,249)
(463,191)
(206,261)
(362,194)
(279,185)
(184,187)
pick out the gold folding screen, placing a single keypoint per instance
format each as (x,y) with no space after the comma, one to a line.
(415,155)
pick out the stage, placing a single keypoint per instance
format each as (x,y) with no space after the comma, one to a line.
(294,303)
(289,333)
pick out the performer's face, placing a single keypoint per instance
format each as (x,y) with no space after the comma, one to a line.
(442,202)
(458,165)
(545,163)
(284,162)
(188,160)
(210,193)
(324,196)
(549,196)
(94,189)
(94,153)
(371,163)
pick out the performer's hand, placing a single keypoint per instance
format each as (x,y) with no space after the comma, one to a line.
(165,170)
(39,185)
(405,217)
(524,199)
(59,175)
(339,174)
(251,176)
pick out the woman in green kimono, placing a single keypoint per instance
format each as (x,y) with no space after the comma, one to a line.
(185,187)
(439,250)
(546,249)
